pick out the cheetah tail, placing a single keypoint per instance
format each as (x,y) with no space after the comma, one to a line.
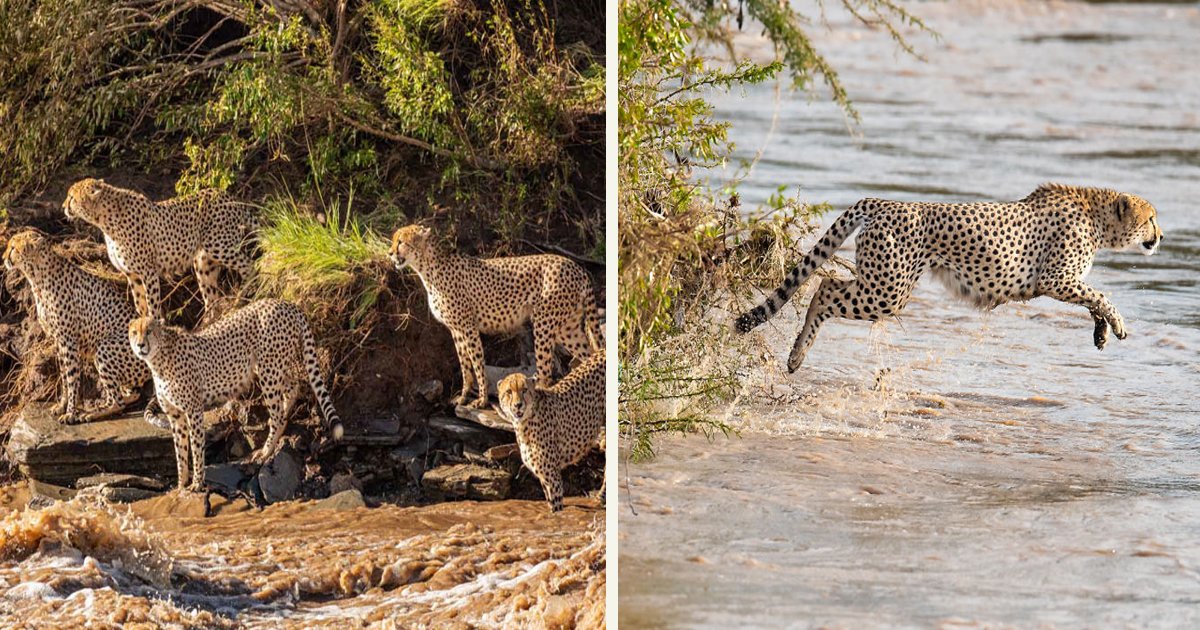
(313,367)
(841,230)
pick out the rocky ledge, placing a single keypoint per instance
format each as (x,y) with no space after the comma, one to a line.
(43,449)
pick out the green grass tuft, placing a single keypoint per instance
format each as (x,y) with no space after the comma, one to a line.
(332,258)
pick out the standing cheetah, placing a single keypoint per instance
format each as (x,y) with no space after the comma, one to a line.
(988,253)
(500,295)
(267,342)
(150,240)
(556,426)
(86,316)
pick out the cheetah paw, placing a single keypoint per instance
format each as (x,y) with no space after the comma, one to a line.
(478,403)
(1100,336)
(69,418)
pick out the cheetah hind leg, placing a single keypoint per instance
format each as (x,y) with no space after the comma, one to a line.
(207,275)
(108,367)
(603,473)
(279,401)
(821,308)
(577,344)
(68,362)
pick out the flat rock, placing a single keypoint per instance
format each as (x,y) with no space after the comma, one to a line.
(473,434)
(345,500)
(371,440)
(127,495)
(502,452)
(467,481)
(487,417)
(59,454)
(50,492)
(115,480)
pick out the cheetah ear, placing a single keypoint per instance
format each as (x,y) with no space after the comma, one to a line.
(1122,206)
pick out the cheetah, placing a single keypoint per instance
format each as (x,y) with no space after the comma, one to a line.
(556,426)
(150,240)
(987,253)
(268,342)
(85,315)
(500,295)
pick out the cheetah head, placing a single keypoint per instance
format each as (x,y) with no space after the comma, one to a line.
(84,200)
(22,247)
(518,397)
(145,337)
(409,243)
(1134,224)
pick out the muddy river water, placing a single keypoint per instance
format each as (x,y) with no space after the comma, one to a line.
(160,564)
(957,468)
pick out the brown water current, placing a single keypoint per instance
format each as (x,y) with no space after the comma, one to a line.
(957,468)
(160,563)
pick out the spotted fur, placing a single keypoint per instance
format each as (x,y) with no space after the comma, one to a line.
(556,426)
(500,295)
(85,315)
(148,240)
(987,253)
(267,342)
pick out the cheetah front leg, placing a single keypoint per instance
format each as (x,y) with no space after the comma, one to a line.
(469,346)
(181,438)
(552,486)
(195,429)
(146,295)
(68,365)
(1104,314)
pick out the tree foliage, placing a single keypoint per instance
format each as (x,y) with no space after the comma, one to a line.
(475,103)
